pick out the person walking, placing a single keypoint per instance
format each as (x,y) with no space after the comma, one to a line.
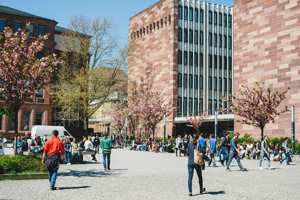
(225,148)
(285,151)
(97,144)
(53,149)
(234,153)
(203,144)
(264,153)
(212,146)
(178,145)
(185,143)
(192,165)
(106,146)
(68,149)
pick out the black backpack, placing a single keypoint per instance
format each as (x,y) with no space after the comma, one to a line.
(259,146)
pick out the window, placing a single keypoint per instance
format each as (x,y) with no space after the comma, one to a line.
(201,37)
(230,62)
(215,62)
(190,105)
(201,105)
(191,81)
(196,37)
(179,57)
(201,15)
(230,84)
(220,40)
(225,62)
(40,55)
(40,93)
(209,107)
(185,35)
(179,109)
(17,25)
(26,121)
(215,40)
(191,14)
(196,15)
(210,17)
(210,83)
(225,20)
(30,28)
(42,30)
(229,42)
(210,39)
(225,83)
(201,59)
(185,58)
(11,125)
(220,19)
(196,60)
(220,62)
(195,81)
(196,106)
(220,83)
(229,21)
(38,118)
(179,80)
(215,18)
(185,13)
(215,84)
(200,82)
(184,106)
(180,34)
(225,41)
(2,25)
(179,12)
(191,58)
(209,60)
(191,36)
(185,80)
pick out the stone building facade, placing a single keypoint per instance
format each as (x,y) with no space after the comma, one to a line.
(37,110)
(184,48)
(266,48)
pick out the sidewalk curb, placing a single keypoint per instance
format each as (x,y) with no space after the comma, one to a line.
(23,176)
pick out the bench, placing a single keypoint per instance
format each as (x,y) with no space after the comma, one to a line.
(80,159)
(4,145)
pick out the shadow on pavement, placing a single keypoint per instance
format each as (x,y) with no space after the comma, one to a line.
(215,193)
(70,188)
(91,173)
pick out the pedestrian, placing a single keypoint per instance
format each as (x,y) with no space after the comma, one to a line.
(185,143)
(225,148)
(178,145)
(234,153)
(68,149)
(106,146)
(75,151)
(54,148)
(285,149)
(203,144)
(192,165)
(97,144)
(1,151)
(264,153)
(212,146)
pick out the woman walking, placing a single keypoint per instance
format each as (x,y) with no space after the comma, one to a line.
(106,146)
(192,165)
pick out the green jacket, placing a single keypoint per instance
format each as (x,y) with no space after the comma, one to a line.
(105,143)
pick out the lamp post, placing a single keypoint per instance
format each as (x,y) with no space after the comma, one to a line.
(293,129)
(216,123)
(164,127)
(126,132)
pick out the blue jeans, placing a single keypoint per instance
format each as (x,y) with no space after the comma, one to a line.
(220,152)
(108,160)
(52,178)
(225,151)
(67,156)
(236,156)
(191,173)
(262,155)
(286,158)
(275,153)
(78,155)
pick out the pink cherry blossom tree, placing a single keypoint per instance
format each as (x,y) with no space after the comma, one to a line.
(151,107)
(22,74)
(257,107)
(119,114)
(196,122)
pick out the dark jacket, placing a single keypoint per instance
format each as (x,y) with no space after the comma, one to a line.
(225,143)
(96,142)
(24,145)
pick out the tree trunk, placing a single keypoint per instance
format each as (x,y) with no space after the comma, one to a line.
(153,133)
(262,133)
(86,126)
(16,132)
(198,132)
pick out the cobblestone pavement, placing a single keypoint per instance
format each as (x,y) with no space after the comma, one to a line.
(146,175)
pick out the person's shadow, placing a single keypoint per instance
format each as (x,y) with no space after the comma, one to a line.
(212,193)
(70,188)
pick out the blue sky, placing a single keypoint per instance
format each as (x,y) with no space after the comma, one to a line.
(62,10)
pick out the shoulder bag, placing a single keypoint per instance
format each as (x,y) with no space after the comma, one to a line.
(198,159)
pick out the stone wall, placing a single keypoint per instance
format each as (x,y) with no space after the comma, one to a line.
(266,48)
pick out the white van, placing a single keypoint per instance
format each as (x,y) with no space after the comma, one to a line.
(40,130)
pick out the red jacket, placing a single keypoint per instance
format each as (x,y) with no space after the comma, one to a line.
(54,146)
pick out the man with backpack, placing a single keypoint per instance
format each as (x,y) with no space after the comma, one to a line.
(24,145)
(225,148)
(264,152)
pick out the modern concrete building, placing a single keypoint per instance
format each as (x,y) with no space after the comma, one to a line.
(185,49)
(266,48)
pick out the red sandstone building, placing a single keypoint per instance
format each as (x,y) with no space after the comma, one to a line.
(267,48)
(38,109)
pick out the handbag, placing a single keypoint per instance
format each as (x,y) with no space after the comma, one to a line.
(198,159)
(107,151)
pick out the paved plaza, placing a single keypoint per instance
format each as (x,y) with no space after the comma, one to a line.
(147,175)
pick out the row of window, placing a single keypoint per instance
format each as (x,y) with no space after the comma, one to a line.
(25,124)
(197,58)
(17,25)
(194,16)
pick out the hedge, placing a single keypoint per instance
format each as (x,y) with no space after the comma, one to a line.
(20,164)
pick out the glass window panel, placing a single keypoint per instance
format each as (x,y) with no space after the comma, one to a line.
(179,34)
(220,40)
(179,79)
(196,37)
(220,19)
(38,118)
(17,25)
(179,57)
(191,36)
(179,12)
(185,35)
(210,17)
(191,14)
(26,121)
(229,21)
(225,20)
(30,28)
(185,13)
(179,109)
(201,15)
(215,18)
(196,15)
(185,58)
(2,25)
(42,30)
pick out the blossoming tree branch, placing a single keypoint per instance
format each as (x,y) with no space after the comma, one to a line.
(196,122)
(257,107)
(22,74)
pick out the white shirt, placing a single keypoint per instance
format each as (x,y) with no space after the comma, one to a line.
(2,152)
(4,140)
(250,146)
(88,144)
